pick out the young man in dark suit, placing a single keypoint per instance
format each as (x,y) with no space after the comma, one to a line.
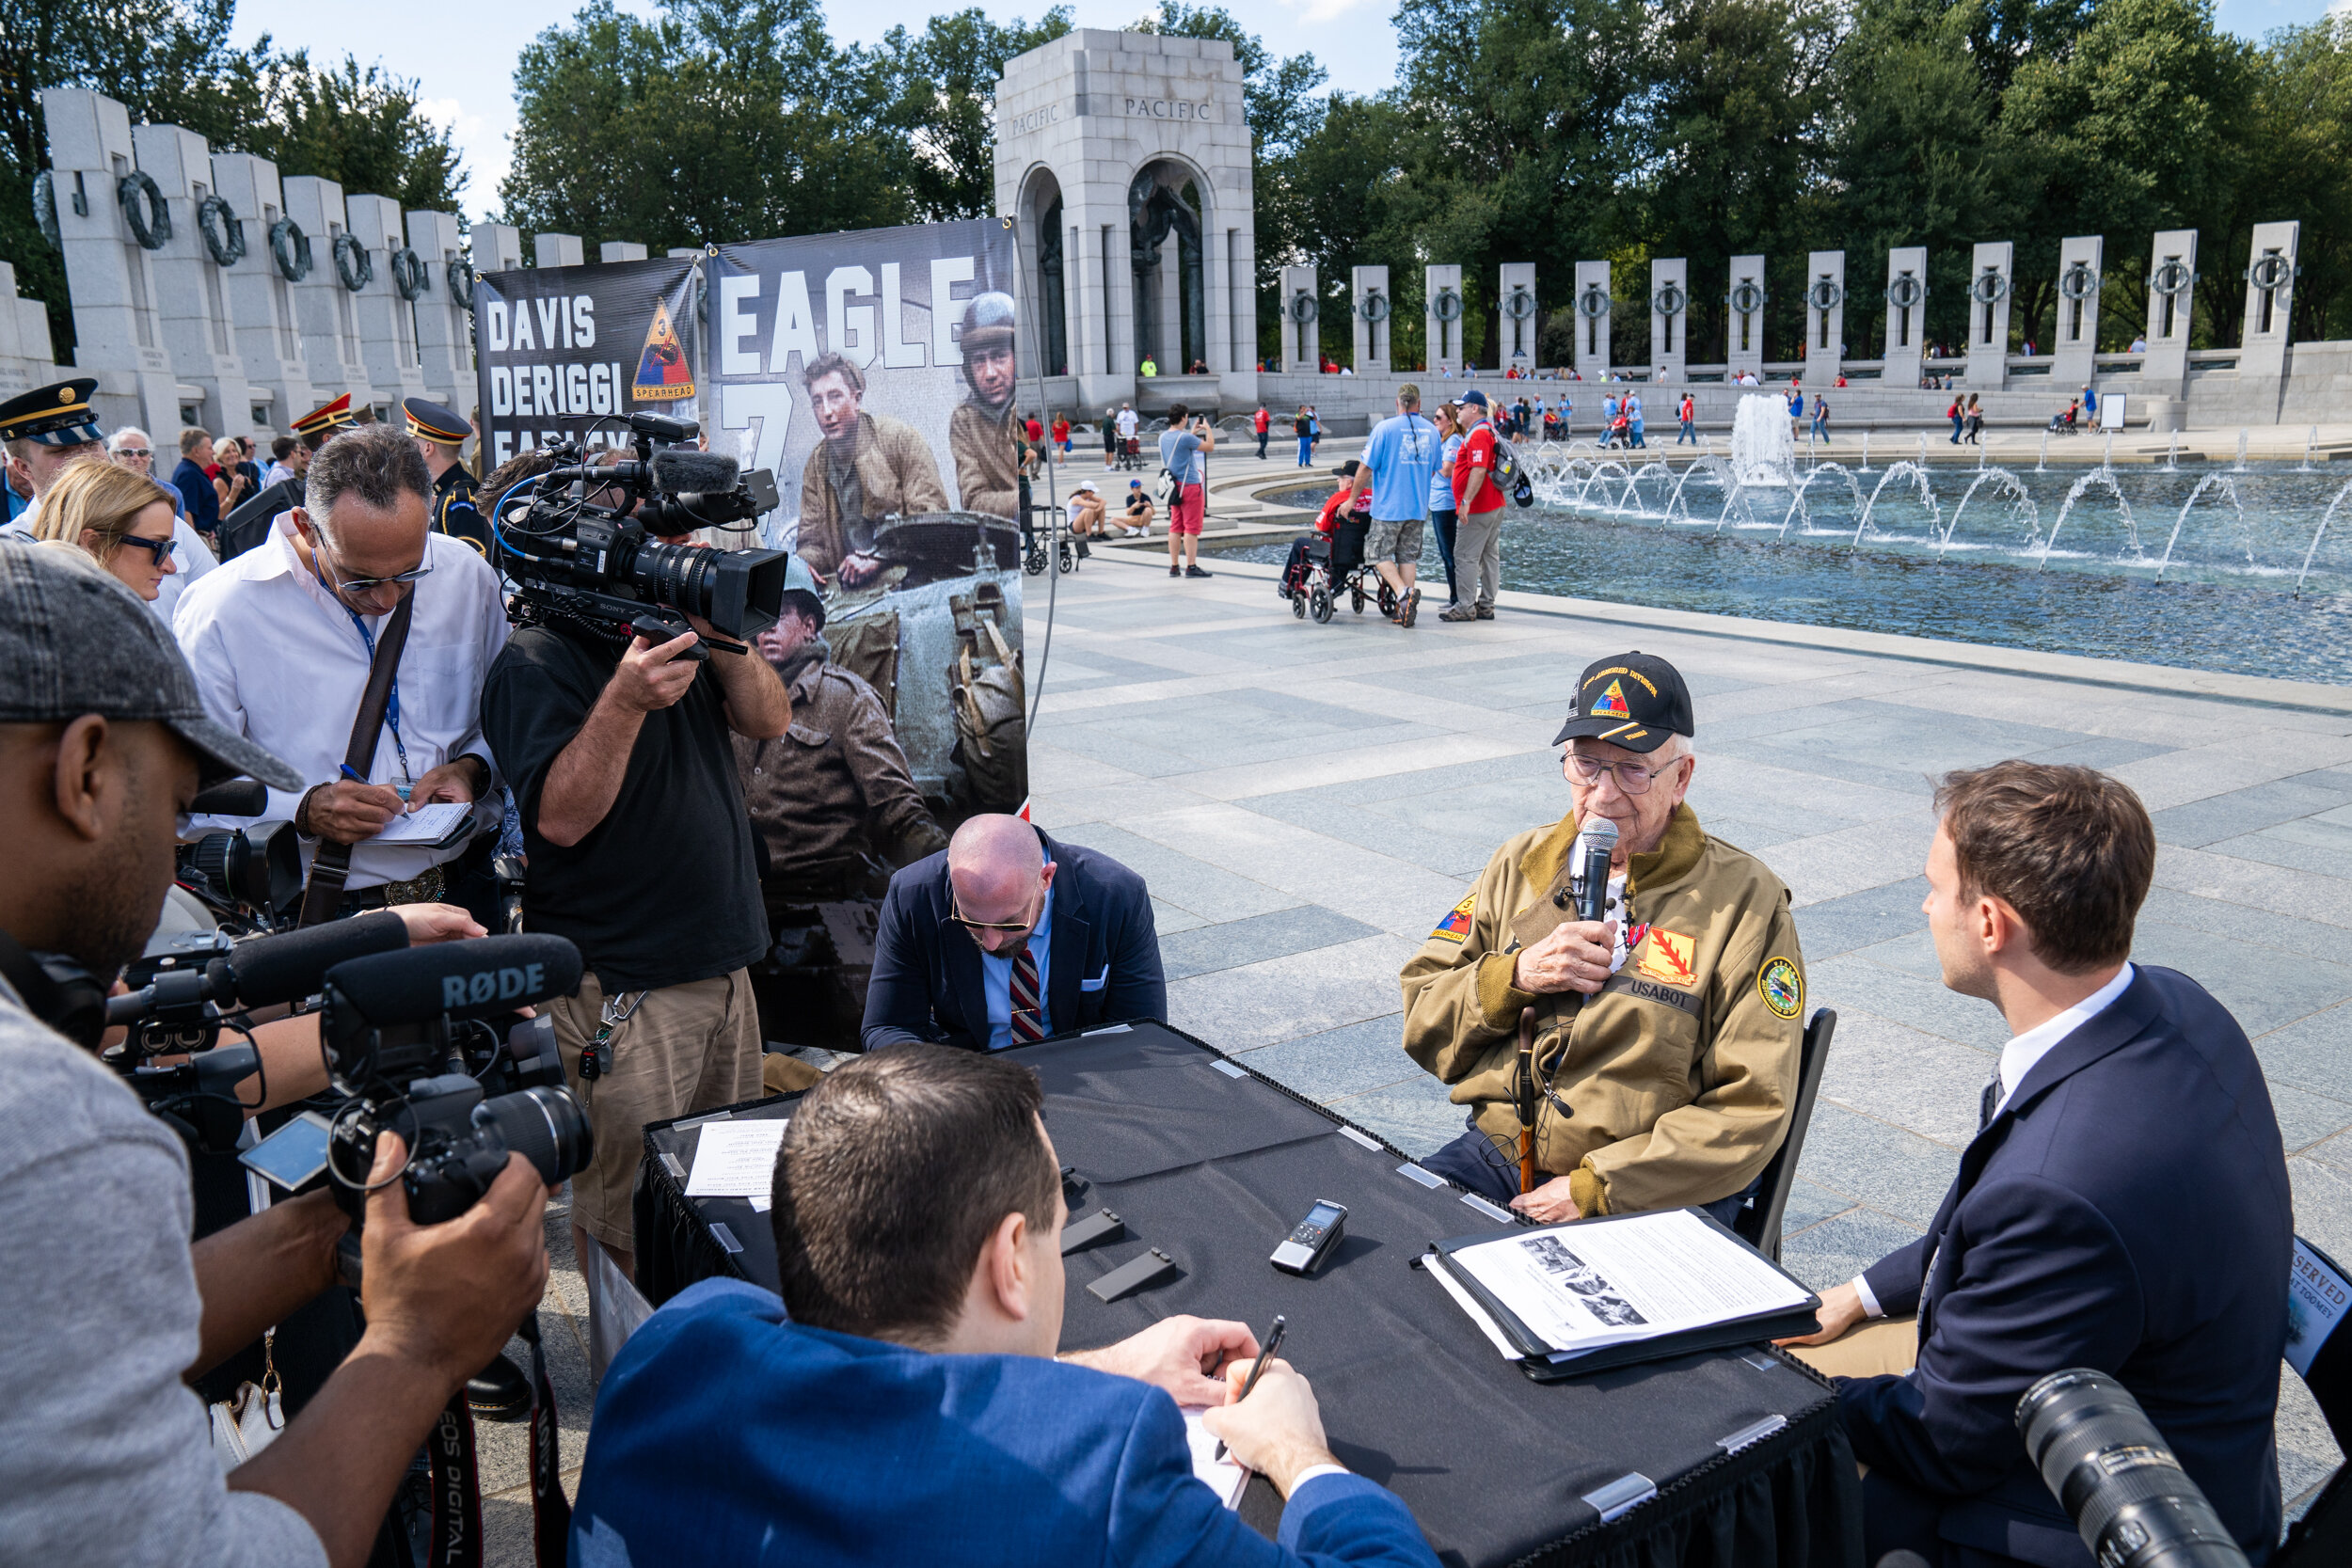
(2123,1207)
(1006,937)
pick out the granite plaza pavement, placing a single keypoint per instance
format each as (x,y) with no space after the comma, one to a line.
(1307,802)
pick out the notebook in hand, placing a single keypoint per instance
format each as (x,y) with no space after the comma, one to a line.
(1564,1300)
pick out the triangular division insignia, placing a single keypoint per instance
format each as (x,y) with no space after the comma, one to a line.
(1611,704)
(662,372)
(1455,926)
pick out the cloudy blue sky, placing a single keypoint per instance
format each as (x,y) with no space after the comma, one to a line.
(462,55)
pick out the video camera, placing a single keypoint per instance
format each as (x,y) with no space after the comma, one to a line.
(402,1034)
(586,544)
(246,876)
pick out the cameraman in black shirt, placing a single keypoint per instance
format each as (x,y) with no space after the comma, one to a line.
(640,852)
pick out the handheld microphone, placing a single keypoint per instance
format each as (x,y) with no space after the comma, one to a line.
(1595,842)
(261,971)
(685,471)
(455,979)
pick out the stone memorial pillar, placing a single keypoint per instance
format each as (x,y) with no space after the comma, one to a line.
(1302,310)
(1518,319)
(385,305)
(2171,299)
(324,311)
(1991,271)
(2264,349)
(2074,333)
(118,324)
(620,250)
(1375,313)
(444,311)
(192,304)
(1132,152)
(497,248)
(1824,317)
(259,298)
(557,250)
(1743,319)
(27,360)
(1442,311)
(1669,320)
(1906,317)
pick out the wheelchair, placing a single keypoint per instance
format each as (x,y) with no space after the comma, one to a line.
(1052,545)
(1324,566)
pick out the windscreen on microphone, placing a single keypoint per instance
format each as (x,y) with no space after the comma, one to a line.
(684,470)
(1596,843)
(461,979)
(286,967)
(1902,1560)
(231,798)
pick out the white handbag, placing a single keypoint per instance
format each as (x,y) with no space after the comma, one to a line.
(251,1420)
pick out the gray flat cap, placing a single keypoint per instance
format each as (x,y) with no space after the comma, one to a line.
(74,640)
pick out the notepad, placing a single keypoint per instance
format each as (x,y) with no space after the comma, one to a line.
(427,827)
(1225,1477)
(736,1158)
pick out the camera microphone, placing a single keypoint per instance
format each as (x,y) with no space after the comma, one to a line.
(683,471)
(261,971)
(231,798)
(454,979)
(1595,842)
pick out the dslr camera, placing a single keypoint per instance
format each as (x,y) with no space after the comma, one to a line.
(584,539)
(428,1044)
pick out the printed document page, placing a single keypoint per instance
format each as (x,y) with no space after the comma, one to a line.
(736,1158)
(1582,1287)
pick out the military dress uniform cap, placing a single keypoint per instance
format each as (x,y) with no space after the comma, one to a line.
(435,421)
(55,416)
(326,416)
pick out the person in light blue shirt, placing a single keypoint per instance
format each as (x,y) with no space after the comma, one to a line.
(1399,463)
(1441,513)
(1634,418)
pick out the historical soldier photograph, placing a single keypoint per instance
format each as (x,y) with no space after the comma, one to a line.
(981,431)
(867,467)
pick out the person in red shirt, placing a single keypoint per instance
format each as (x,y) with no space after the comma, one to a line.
(1477,511)
(1036,431)
(1261,422)
(1061,432)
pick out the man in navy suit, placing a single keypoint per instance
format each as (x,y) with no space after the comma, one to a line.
(2123,1207)
(1006,937)
(902,1403)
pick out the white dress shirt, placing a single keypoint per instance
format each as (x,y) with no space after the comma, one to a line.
(2018,1058)
(279,660)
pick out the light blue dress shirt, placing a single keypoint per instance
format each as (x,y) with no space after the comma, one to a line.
(996,979)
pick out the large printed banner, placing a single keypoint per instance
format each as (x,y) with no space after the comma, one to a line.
(557,349)
(874,374)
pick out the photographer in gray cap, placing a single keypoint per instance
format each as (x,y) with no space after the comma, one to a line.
(105,1308)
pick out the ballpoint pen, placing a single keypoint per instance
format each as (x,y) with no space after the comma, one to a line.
(1257,1368)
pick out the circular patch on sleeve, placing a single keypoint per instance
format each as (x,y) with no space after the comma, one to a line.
(1781,986)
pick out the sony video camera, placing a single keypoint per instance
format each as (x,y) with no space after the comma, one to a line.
(410,1037)
(582,538)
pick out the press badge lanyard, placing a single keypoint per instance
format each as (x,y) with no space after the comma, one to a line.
(392,707)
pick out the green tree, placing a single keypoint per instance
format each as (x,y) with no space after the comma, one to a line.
(2299,147)
(361,128)
(936,92)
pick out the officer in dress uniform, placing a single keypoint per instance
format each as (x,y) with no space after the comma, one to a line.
(44,429)
(440,431)
(250,523)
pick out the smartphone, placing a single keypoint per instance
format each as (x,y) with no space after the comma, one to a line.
(293,1156)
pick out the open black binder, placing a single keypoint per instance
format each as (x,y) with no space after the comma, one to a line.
(1536,1354)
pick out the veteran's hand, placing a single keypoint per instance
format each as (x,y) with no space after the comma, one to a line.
(1574,956)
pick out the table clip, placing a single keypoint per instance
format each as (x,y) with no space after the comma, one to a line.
(1754,1433)
(726,1238)
(1101,1226)
(669,1163)
(1352,1136)
(1106,1029)
(1414,1173)
(1489,1209)
(1622,1495)
(1231,1070)
(697,1121)
(1760,1361)
(1132,1276)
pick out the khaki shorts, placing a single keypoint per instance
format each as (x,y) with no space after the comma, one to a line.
(1399,541)
(686,1049)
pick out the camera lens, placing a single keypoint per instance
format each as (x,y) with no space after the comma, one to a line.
(2106,1462)
(546,1126)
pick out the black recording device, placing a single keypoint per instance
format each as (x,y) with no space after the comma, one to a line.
(583,540)
(1311,1239)
(2107,1464)
(396,1030)
(250,875)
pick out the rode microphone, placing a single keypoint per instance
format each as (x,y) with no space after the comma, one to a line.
(452,979)
(261,971)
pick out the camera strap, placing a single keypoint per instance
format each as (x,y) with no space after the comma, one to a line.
(323,895)
(457,1535)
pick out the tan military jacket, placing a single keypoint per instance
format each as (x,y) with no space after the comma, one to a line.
(1680,1071)
(985,470)
(896,468)
(812,790)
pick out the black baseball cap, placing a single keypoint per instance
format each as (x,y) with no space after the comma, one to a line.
(1632,699)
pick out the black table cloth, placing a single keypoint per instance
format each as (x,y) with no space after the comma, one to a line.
(1214,1164)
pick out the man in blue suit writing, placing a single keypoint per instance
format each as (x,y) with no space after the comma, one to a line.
(902,1403)
(2123,1207)
(1006,937)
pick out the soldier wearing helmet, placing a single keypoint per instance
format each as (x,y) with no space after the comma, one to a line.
(982,437)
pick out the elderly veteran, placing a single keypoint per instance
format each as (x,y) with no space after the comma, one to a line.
(1666,1034)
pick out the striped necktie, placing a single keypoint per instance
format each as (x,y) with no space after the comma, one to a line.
(1028,1015)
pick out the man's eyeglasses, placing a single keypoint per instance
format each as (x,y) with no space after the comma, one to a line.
(956,914)
(136,455)
(1632,777)
(368,585)
(160,548)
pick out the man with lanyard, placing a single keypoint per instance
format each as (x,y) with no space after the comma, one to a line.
(439,432)
(282,640)
(44,429)
(1398,462)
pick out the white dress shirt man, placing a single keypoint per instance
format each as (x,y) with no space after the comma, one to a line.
(281,639)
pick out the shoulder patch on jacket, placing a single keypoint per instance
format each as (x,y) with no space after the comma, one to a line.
(1669,956)
(1782,987)
(1456,925)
